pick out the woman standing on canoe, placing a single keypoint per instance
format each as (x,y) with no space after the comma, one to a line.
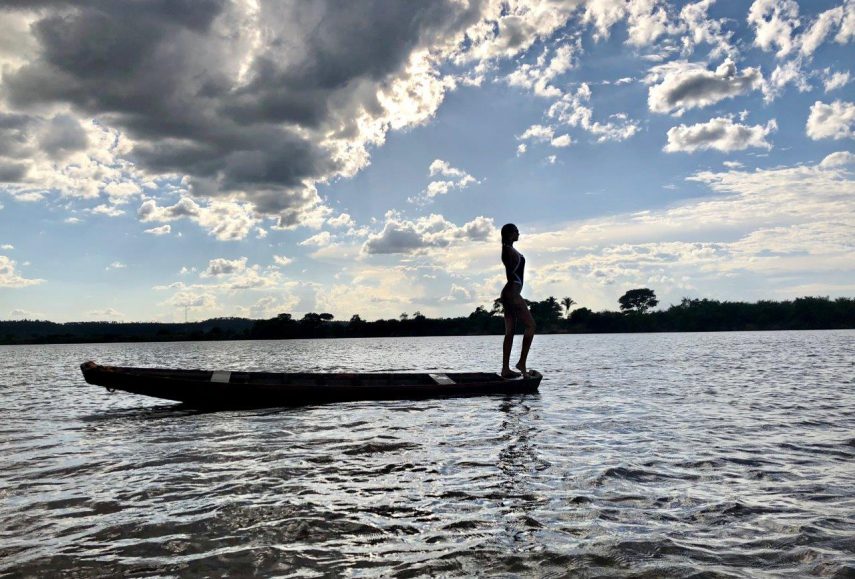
(514,305)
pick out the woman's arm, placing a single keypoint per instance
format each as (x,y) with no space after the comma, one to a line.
(508,262)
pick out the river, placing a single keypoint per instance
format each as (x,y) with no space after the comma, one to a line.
(730,454)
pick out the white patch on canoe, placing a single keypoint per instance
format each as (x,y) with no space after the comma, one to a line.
(221,376)
(441,379)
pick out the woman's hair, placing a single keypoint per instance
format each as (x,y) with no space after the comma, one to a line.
(507,230)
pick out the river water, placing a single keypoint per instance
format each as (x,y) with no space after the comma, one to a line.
(727,454)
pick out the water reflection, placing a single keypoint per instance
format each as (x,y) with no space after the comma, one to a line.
(656,454)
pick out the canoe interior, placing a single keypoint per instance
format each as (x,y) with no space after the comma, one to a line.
(286,378)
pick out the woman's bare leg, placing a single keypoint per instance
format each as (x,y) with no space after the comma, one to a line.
(528,336)
(510,325)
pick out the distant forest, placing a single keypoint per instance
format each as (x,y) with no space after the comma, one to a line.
(553,316)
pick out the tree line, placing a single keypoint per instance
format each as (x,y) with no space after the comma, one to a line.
(551,316)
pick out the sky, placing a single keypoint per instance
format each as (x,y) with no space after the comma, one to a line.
(163,159)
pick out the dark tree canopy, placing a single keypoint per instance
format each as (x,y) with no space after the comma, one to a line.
(639,300)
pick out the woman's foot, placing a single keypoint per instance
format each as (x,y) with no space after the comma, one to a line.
(521,367)
(507,373)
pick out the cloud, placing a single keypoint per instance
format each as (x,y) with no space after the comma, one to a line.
(281,260)
(788,73)
(252,101)
(318,240)
(838,159)
(821,28)
(223,266)
(225,220)
(457,293)
(537,77)
(833,81)
(105,313)
(121,192)
(116,265)
(443,168)
(647,20)
(192,299)
(679,86)
(721,134)
(271,306)
(343,220)
(26,314)
(162,230)
(459,179)
(405,236)
(831,121)
(561,141)
(61,137)
(537,133)
(7,246)
(10,278)
(108,210)
(700,29)
(775,22)
(44,152)
(572,110)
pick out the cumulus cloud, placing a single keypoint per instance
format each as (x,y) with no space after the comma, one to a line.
(108,210)
(225,220)
(162,230)
(281,260)
(223,266)
(343,220)
(647,20)
(271,306)
(252,101)
(318,240)
(454,179)
(774,22)
(833,81)
(572,110)
(407,236)
(788,73)
(699,28)
(192,299)
(116,265)
(121,192)
(679,86)
(537,77)
(457,293)
(10,278)
(838,159)
(537,133)
(831,121)
(777,24)
(721,134)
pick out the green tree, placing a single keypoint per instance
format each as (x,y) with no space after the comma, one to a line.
(638,300)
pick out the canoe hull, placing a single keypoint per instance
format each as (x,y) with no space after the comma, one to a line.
(205,389)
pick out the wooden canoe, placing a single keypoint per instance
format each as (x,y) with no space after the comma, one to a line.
(225,389)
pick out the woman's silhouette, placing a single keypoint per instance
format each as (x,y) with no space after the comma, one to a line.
(514,305)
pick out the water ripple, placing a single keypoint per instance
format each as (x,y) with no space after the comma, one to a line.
(704,455)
